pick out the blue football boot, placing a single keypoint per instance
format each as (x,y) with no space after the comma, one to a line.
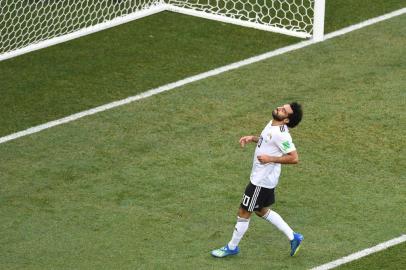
(224,252)
(295,243)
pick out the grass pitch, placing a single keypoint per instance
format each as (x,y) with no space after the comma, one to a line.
(156,184)
(391,259)
(84,73)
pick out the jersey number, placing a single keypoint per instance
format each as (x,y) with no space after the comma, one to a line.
(260,141)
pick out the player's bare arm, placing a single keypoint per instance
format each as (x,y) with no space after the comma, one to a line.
(247,139)
(290,158)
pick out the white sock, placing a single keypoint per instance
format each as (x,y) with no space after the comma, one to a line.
(240,228)
(277,220)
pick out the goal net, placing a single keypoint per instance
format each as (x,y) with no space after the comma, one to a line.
(27,22)
(27,25)
(292,17)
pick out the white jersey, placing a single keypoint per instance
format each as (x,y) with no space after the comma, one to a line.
(274,141)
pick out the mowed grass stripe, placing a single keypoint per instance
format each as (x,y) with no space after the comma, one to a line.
(156,184)
(85,73)
(120,62)
(153,92)
(195,78)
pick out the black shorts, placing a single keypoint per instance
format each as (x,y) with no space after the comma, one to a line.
(255,198)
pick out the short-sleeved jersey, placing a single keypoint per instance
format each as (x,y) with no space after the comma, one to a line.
(274,141)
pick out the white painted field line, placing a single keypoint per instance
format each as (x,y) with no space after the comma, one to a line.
(195,78)
(362,253)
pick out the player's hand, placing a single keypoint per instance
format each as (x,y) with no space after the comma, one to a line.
(264,159)
(246,139)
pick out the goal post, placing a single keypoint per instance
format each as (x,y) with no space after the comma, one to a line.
(318,20)
(231,20)
(28,25)
(290,17)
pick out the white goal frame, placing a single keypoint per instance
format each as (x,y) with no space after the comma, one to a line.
(162,5)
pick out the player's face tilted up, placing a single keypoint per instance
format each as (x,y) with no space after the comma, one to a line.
(281,113)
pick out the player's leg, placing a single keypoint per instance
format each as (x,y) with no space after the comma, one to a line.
(274,218)
(243,221)
(241,227)
(242,224)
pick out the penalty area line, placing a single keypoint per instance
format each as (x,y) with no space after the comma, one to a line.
(362,253)
(198,77)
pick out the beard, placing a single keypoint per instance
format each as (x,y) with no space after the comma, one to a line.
(275,116)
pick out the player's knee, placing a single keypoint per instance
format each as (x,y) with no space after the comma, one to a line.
(244,213)
(261,212)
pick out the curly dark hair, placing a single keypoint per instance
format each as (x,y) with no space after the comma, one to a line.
(296,116)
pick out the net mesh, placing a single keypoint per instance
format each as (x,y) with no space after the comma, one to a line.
(26,22)
(293,15)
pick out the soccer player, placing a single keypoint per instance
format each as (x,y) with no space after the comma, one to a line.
(274,147)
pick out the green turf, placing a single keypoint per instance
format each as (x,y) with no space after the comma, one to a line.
(342,13)
(156,184)
(119,62)
(392,258)
(132,58)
